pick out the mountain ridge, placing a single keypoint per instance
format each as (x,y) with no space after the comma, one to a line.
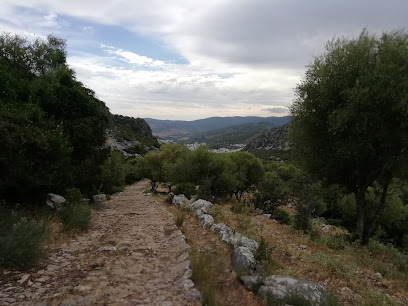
(177,129)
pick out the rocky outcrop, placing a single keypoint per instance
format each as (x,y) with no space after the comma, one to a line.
(180,200)
(203,205)
(55,201)
(131,136)
(275,138)
(284,288)
(244,262)
(231,237)
(206,220)
(99,198)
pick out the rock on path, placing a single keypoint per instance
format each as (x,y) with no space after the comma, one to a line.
(132,255)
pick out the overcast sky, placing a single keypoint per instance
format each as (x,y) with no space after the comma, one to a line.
(181,59)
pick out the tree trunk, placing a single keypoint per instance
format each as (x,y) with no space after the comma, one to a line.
(361,215)
(379,210)
(238,195)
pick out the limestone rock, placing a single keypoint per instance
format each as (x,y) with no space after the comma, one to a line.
(180,200)
(229,236)
(198,213)
(280,288)
(99,198)
(204,205)
(250,281)
(259,211)
(206,220)
(219,227)
(244,262)
(55,201)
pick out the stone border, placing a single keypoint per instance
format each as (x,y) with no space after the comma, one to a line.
(244,262)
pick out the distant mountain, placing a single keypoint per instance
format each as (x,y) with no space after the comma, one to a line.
(177,129)
(229,136)
(275,138)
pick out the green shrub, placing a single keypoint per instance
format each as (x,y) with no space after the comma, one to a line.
(22,242)
(204,192)
(338,242)
(302,220)
(264,251)
(73,195)
(76,216)
(180,217)
(240,208)
(244,225)
(283,216)
(188,189)
(206,268)
(334,264)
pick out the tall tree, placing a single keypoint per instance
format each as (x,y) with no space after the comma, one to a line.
(350,117)
(51,126)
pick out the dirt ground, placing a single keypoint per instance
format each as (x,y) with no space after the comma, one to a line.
(133,254)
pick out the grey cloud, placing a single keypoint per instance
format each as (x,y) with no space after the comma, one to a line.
(277,109)
(289,33)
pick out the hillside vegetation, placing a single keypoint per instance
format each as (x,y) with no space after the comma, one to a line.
(230,136)
(53,140)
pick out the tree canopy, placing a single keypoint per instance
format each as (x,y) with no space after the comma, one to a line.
(350,117)
(52,127)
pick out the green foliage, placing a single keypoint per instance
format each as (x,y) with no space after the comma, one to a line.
(51,125)
(73,195)
(271,192)
(349,121)
(293,299)
(22,240)
(216,175)
(283,216)
(206,268)
(113,173)
(188,189)
(76,216)
(264,251)
(240,208)
(302,219)
(334,264)
(248,172)
(134,129)
(338,242)
(151,167)
(180,217)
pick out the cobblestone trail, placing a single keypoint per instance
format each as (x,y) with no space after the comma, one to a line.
(132,255)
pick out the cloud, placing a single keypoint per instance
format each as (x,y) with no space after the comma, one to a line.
(277,110)
(238,56)
(133,58)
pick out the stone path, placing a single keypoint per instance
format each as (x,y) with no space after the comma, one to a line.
(132,255)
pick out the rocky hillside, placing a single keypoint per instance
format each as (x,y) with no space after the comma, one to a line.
(275,138)
(130,135)
(230,136)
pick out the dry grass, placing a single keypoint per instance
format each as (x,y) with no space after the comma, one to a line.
(328,259)
(212,267)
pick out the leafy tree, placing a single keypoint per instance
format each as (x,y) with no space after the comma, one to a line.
(113,173)
(248,172)
(151,167)
(51,126)
(350,118)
